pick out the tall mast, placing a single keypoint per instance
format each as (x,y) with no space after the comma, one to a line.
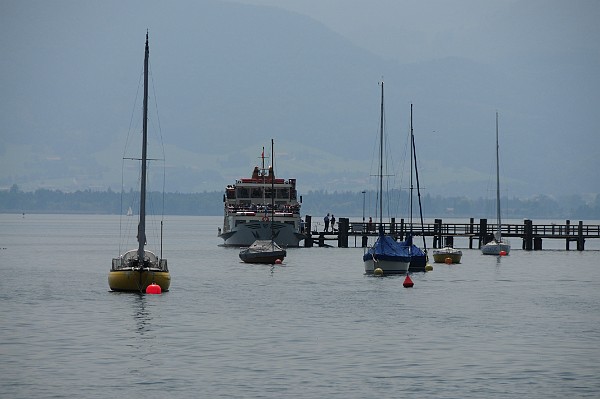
(412,145)
(142,225)
(272,190)
(381,161)
(414,157)
(498,228)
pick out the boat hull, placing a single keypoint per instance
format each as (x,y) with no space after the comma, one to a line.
(263,251)
(265,258)
(495,248)
(388,255)
(388,266)
(441,255)
(244,234)
(137,281)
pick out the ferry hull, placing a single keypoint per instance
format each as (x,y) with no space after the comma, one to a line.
(245,234)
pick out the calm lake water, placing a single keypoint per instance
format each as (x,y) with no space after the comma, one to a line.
(526,325)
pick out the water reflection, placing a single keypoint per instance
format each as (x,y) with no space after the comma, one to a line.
(141,315)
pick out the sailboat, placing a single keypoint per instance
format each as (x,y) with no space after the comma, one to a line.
(497,246)
(265,251)
(386,253)
(138,268)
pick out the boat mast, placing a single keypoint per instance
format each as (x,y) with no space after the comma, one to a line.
(414,152)
(412,144)
(142,225)
(272,191)
(381,162)
(498,228)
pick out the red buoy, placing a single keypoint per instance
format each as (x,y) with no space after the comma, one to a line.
(153,289)
(502,253)
(278,261)
(448,260)
(408,282)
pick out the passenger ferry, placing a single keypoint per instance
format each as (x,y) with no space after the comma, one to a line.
(248,211)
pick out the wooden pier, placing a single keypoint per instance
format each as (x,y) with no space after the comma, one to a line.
(443,234)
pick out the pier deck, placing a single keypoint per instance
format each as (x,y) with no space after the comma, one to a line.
(443,234)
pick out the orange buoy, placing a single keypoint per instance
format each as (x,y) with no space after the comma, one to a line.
(408,282)
(502,253)
(153,289)
(448,260)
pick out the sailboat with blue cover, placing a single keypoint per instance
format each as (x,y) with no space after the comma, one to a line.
(386,253)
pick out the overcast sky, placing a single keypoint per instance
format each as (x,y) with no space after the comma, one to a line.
(440,28)
(67,67)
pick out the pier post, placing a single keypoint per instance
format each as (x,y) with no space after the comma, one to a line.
(567,232)
(402,229)
(537,244)
(343,225)
(322,239)
(528,235)
(392,226)
(308,242)
(482,232)
(471,231)
(580,239)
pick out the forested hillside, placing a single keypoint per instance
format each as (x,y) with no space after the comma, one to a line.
(315,203)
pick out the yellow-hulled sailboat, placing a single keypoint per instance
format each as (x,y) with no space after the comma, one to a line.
(136,269)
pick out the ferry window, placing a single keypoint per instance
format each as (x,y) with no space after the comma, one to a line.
(283,193)
(256,193)
(243,193)
(267,193)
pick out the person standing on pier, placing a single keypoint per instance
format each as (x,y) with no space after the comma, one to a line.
(332,223)
(326,220)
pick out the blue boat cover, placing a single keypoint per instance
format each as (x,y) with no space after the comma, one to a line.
(387,248)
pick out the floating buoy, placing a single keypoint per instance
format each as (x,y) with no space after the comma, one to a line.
(428,267)
(408,282)
(278,261)
(153,289)
(502,253)
(448,260)
(378,272)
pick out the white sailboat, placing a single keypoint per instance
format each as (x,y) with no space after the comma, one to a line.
(497,246)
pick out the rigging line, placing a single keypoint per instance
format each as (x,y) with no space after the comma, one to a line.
(127,139)
(133,113)
(162,144)
(412,138)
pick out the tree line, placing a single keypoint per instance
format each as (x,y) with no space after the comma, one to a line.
(314,203)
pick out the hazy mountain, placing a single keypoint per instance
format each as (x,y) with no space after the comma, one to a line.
(229,77)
